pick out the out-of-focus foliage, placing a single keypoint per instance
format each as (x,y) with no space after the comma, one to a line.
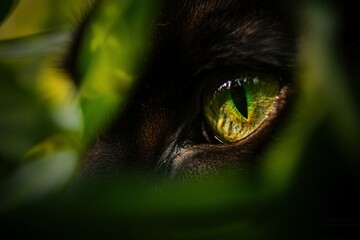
(108,59)
(42,112)
(36,16)
(323,94)
(40,118)
(6,6)
(46,122)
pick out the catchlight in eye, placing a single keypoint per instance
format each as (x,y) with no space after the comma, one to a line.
(235,108)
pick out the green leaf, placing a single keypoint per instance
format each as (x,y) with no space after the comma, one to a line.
(115,42)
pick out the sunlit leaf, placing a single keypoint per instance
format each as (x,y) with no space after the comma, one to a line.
(109,60)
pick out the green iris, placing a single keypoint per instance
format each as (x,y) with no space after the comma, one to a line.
(236,108)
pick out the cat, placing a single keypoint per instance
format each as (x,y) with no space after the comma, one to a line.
(203,52)
(163,128)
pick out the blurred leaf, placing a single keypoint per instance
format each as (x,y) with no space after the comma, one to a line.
(109,60)
(6,7)
(321,95)
(34,45)
(35,16)
(37,101)
(24,121)
(39,178)
(28,93)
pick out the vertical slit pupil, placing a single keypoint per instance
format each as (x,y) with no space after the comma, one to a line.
(239,98)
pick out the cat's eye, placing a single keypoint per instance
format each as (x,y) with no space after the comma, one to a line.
(235,108)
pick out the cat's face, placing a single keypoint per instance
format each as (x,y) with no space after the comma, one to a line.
(212,94)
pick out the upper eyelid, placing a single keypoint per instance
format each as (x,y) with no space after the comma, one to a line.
(203,80)
(247,63)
